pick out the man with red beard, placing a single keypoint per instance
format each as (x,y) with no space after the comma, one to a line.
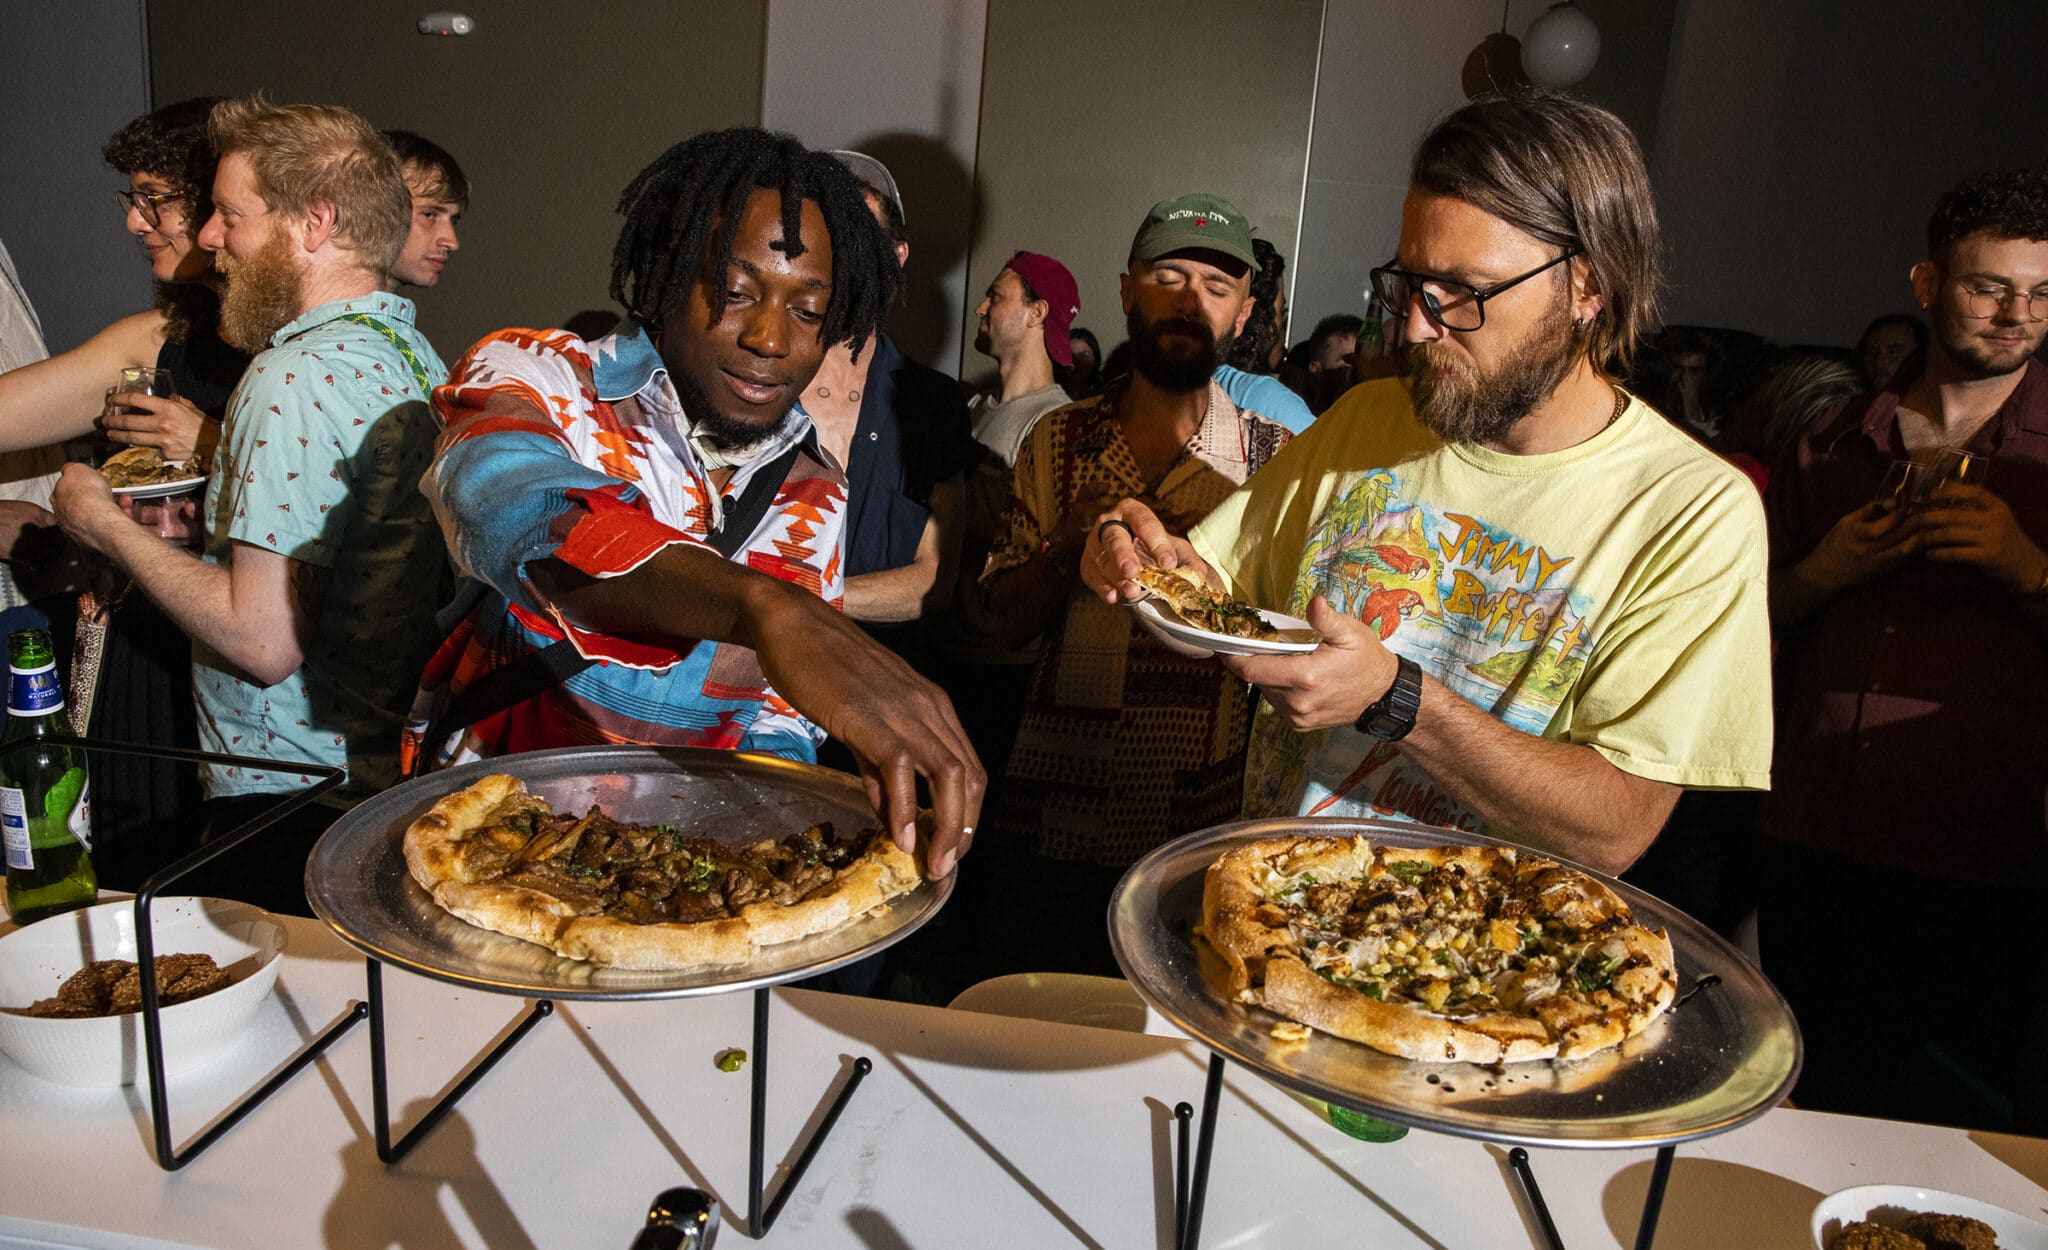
(1910,764)
(311,607)
(1581,625)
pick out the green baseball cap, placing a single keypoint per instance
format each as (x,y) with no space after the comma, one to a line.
(1209,222)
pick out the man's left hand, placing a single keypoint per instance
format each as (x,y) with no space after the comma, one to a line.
(85,506)
(1331,685)
(1964,524)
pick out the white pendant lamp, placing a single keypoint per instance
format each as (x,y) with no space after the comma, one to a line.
(1560,47)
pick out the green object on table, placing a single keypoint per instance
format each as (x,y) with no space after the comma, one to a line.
(731,1060)
(1362,1126)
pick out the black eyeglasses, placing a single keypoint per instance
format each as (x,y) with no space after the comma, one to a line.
(1451,304)
(149,203)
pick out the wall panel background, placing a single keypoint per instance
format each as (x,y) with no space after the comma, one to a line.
(550,109)
(1094,110)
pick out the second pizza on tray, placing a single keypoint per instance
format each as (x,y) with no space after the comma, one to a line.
(642,896)
(1480,954)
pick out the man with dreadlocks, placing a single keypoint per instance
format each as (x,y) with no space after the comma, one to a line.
(651,529)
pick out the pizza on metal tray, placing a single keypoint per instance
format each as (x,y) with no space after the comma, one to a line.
(642,896)
(1481,954)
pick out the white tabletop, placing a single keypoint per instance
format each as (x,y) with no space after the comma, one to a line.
(973,1130)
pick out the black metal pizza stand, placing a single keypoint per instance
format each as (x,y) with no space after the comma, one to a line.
(1725,1054)
(358,883)
(168,1156)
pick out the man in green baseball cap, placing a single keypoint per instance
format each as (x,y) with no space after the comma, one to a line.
(1198,222)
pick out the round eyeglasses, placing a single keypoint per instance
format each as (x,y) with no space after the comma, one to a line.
(149,203)
(1451,304)
(1988,299)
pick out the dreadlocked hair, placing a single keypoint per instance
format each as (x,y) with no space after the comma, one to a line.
(703,182)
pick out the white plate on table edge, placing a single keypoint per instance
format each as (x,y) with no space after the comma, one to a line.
(1846,1206)
(157,490)
(1165,625)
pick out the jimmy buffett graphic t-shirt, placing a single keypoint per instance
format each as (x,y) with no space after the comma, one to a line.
(1611,594)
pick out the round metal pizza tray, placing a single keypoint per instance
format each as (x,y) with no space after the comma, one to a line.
(358,883)
(1719,1059)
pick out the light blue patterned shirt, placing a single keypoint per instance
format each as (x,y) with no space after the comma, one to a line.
(320,459)
(1267,396)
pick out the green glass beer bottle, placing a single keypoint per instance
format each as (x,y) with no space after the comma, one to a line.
(45,811)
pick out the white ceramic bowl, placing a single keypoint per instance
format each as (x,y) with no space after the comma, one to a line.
(107,1051)
(1891,1204)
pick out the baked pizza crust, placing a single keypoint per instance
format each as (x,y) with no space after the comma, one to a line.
(1266,968)
(435,846)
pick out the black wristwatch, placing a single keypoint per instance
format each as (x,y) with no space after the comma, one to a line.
(1393,715)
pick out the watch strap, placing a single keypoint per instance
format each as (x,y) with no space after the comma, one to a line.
(1392,715)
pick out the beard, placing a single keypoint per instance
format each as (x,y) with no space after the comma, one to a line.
(1975,358)
(1459,404)
(262,296)
(727,433)
(984,344)
(1170,368)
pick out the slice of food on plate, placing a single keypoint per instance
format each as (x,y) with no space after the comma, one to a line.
(1203,606)
(643,896)
(145,466)
(1479,954)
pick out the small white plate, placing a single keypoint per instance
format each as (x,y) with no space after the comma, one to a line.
(157,490)
(1162,623)
(1889,1205)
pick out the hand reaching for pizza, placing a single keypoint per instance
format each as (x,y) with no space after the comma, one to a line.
(1964,524)
(1329,686)
(1124,542)
(898,726)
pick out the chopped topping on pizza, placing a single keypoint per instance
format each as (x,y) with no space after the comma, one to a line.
(1473,953)
(1203,606)
(1413,932)
(647,874)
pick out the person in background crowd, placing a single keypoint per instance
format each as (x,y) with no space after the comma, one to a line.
(1915,689)
(1084,378)
(1894,342)
(1124,743)
(1247,371)
(1794,396)
(25,476)
(900,432)
(312,607)
(1330,348)
(1024,321)
(146,812)
(1264,341)
(657,500)
(1494,659)
(440,196)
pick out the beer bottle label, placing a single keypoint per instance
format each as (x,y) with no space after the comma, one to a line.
(14,829)
(34,691)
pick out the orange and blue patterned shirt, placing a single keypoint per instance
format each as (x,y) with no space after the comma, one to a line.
(320,458)
(557,448)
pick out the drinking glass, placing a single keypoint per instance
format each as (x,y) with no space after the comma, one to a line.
(1953,464)
(135,380)
(1900,485)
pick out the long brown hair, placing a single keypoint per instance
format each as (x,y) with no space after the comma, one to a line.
(1570,174)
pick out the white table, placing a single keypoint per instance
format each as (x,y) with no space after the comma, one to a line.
(973,1130)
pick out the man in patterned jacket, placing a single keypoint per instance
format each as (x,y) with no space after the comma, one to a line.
(313,607)
(653,534)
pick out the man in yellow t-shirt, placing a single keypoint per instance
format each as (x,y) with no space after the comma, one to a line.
(1543,607)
